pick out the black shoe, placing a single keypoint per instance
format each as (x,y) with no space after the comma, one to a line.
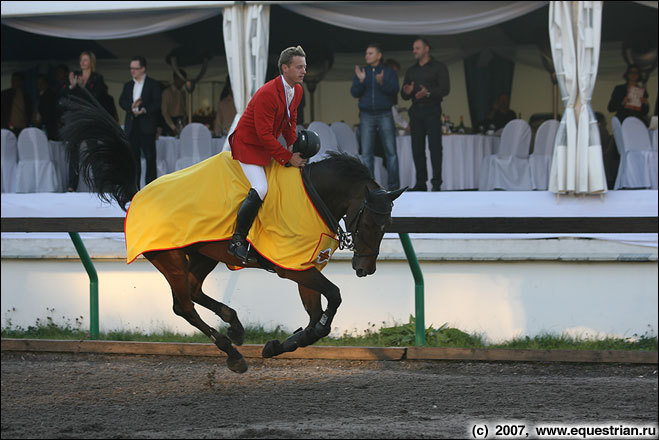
(419,188)
(436,188)
(239,247)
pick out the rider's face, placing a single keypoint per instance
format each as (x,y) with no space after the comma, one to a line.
(294,72)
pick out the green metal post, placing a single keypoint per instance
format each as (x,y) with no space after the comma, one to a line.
(419,307)
(93,283)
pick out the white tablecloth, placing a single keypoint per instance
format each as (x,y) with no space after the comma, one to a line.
(168,148)
(461,160)
(58,156)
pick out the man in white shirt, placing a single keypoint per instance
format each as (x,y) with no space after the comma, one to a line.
(141,99)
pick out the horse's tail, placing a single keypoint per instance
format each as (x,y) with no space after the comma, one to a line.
(106,161)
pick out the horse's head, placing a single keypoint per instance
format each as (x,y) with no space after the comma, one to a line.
(367,220)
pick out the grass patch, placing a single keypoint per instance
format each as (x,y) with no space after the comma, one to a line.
(400,335)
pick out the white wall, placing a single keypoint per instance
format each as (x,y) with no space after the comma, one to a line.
(499,299)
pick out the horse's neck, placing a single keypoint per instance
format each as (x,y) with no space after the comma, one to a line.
(336,193)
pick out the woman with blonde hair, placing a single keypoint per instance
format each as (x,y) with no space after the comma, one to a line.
(88,78)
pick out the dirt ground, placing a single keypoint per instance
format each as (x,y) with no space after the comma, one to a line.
(46,395)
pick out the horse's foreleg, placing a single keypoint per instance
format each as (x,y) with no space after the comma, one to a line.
(311,301)
(174,266)
(200,266)
(320,323)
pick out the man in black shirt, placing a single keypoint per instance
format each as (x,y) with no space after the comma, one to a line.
(426,83)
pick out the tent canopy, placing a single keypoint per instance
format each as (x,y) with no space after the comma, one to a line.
(517,39)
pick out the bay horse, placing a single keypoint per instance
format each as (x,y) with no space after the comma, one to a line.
(343,189)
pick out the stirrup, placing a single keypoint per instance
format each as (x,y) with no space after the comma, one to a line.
(240,250)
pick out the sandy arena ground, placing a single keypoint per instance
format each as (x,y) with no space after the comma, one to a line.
(47,395)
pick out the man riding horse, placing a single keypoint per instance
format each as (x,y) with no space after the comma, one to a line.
(271,112)
(183,222)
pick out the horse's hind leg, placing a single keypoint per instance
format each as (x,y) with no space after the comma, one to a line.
(200,266)
(173,265)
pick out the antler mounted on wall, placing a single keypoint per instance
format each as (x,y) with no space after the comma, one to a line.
(188,57)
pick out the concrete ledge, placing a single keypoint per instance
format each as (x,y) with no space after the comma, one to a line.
(343,353)
(522,355)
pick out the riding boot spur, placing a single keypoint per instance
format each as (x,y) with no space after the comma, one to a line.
(239,247)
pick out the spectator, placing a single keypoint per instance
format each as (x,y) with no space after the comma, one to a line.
(46,112)
(87,76)
(501,114)
(141,100)
(225,112)
(376,86)
(426,83)
(91,80)
(16,105)
(631,98)
(174,105)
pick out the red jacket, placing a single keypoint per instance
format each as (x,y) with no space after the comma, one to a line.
(254,140)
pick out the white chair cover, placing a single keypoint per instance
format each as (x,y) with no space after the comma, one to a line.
(638,164)
(328,140)
(617,135)
(509,169)
(380,174)
(36,170)
(543,150)
(9,161)
(196,145)
(346,138)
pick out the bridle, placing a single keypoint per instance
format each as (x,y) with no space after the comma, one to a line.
(346,238)
(380,214)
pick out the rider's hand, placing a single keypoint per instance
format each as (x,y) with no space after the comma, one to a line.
(297,160)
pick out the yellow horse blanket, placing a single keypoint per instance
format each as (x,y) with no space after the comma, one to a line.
(200,204)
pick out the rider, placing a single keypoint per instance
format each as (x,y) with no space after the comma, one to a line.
(271,111)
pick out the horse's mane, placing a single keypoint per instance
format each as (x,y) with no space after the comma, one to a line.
(343,166)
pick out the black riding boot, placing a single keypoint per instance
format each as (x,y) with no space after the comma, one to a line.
(246,215)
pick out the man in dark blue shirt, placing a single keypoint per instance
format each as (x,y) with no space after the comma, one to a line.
(426,83)
(376,87)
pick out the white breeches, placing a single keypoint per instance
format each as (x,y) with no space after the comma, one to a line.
(256,176)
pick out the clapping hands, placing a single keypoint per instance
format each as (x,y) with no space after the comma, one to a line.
(361,73)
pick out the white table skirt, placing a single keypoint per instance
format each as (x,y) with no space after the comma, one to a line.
(59,157)
(168,148)
(461,160)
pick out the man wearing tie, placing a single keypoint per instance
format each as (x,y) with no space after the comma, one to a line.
(141,99)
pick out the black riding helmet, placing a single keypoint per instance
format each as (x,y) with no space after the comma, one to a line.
(307,144)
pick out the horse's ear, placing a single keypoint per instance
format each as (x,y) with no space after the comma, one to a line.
(393,195)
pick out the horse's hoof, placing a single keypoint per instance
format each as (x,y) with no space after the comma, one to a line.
(236,334)
(272,348)
(237,365)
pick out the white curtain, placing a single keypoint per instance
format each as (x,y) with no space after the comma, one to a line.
(590,163)
(109,25)
(414,17)
(562,176)
(246,36)
(577,165)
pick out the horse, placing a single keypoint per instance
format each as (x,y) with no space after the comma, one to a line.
(343,189)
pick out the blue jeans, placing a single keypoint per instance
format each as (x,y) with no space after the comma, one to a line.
(384,122)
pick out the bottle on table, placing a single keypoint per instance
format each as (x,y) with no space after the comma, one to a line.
(461,127)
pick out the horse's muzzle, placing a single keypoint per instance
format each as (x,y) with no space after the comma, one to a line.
(363,268)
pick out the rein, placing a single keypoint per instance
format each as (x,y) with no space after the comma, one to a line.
(345,237)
